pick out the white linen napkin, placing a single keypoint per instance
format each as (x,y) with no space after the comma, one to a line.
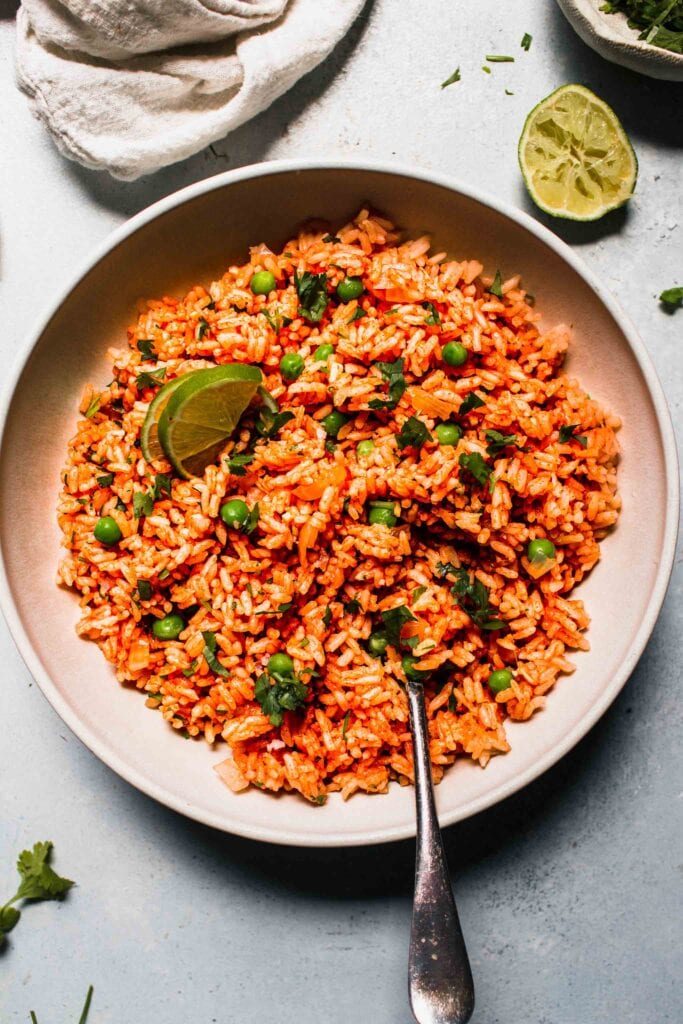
(134,85)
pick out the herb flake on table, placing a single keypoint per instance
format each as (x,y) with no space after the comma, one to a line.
(39,881)
(455,77)
(499,58)
(526,41)
(672,298)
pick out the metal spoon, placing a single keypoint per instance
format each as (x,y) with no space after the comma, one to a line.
(439,976)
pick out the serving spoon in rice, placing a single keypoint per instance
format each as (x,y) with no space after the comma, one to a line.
(439,976)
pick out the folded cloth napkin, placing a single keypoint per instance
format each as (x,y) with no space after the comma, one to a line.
(133,85)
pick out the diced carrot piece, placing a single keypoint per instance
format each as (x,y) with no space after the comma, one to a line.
(335,476)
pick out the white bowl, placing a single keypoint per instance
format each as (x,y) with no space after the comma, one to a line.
(191,236)
(611,37)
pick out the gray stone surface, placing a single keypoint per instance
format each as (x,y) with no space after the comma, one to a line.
(570,891)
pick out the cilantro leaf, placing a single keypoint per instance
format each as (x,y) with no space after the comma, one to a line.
(209,652)
(455,77)
(251,521)
(672,298)
(145,379)
(471,401)
(312,292)
(496,286)
(474,463)
(568,433)
(191,669)
(499,58)
(39,881)
(201,329)
(144,590)
(162,486)
(276,320)
(142,504)
(417,594)
(327,617)
(93,407)
(443,569)
(498,441)
(283,694)
(144,346)
(358,314)
(393,375)
(526,41)
(394,620)
(413,434)
(270,419)
(473,597)
(352,607)
(331,238)
(106,480)
(433,319)
(345,726)
(236,463)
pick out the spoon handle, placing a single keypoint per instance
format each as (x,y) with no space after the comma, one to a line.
(439,975)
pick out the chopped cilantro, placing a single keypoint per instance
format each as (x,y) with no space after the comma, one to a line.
(145,379)
(393,375)
(144,590)
(496,286)
(144,346)
(452,701)
(283,694)
(191,669)
(499,58)
(305,642)
(275,319)
(417,594)
(142,504)
(327,617)
(209,652)
(394,620)
(474,463)
(358,314)
(164,574)
(236,463)
(526,41)
(345,726)
(498,441)
(487,70)
(412,434)
(201,329)
(331,239)
(271,420)
(93,407)
(455,77)
(433,319)
(352,607)
(251,521)
(473,597)
(471,401)
(312,292)
(672,298)
(567,434)
(162,486)
(509,93)
(106,480)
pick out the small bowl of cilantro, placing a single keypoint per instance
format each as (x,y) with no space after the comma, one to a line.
(643,35)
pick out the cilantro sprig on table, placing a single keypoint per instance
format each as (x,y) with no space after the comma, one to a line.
(39,881)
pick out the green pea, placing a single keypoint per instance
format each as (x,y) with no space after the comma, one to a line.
(168,628)
(323,352)
(409,670)
(262,283)
(107,531)
(235,513)
(280,665)
(448,433)
(540,550)
(377,644)
(333,423)
(381,516)
(291,366)
(350,288)
(454,354)
(500,680)
(363,448)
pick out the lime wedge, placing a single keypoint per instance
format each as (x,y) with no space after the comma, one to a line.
(575,157)
(149,435)
(203,412)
